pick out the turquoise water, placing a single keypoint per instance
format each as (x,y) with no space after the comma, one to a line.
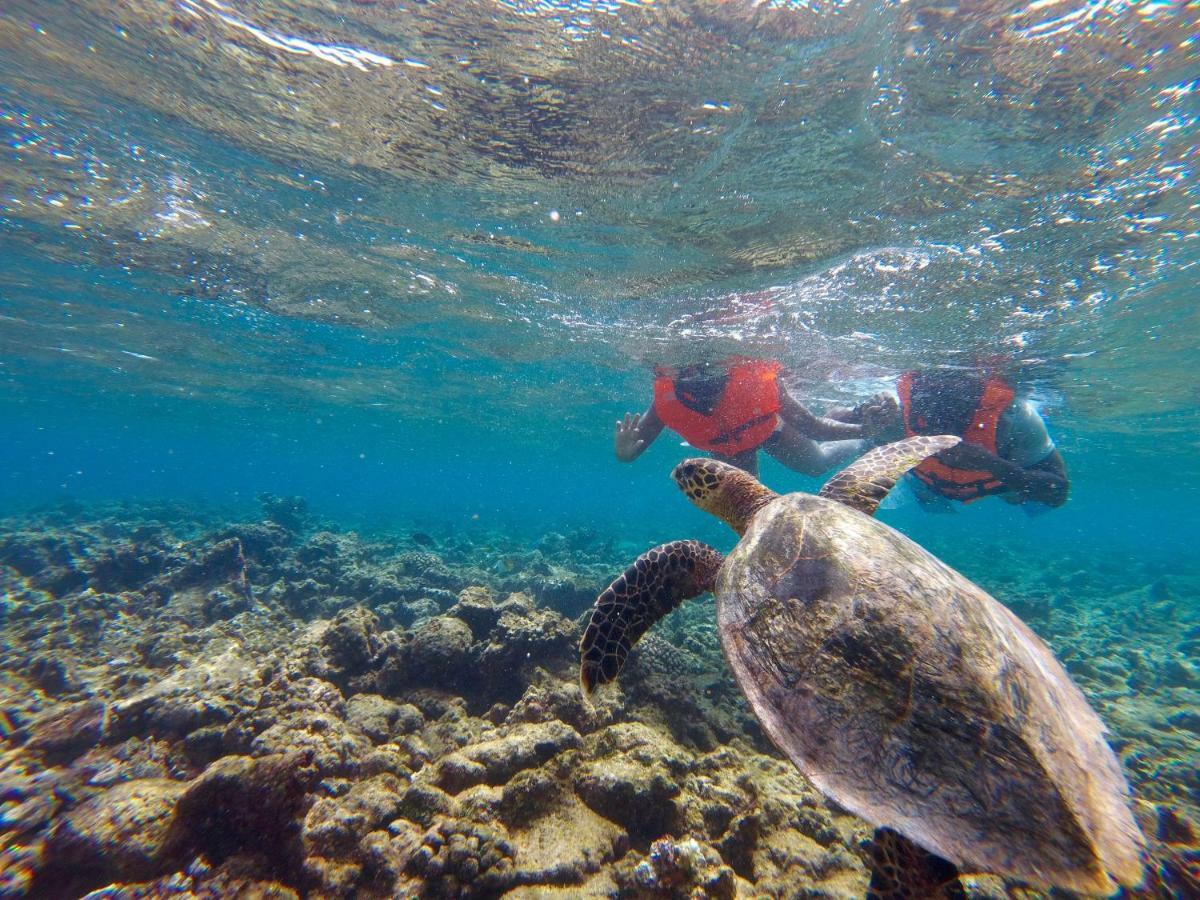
(281,262)
(412,261)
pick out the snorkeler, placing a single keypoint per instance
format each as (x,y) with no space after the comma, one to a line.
(1006,449)
(731,409)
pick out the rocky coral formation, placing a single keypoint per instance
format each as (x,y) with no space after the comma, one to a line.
(403,719)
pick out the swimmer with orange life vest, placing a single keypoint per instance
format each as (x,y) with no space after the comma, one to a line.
(732,408)
(1006,449)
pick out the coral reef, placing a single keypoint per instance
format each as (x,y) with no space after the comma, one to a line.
(403,718)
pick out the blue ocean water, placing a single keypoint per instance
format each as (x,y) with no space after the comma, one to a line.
(336,299)
(412,262)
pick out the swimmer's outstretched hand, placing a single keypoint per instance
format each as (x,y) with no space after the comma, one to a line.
(880,418)
(628,443)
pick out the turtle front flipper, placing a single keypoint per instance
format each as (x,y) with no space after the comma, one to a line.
(900,870)
(657,582)
(865,482)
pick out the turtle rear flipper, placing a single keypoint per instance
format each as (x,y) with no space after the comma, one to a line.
(657,582)
(865,482)
(900,870)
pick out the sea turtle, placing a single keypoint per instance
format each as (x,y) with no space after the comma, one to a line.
(900,689)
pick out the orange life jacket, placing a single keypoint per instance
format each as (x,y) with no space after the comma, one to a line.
(960,484)
(744,417)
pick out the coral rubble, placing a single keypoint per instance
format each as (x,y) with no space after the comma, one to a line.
(279,709)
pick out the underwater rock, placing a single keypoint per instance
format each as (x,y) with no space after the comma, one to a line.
(235,878)
(308,715)
(740,842)
(303,599)
(30,795)
(529,795)
(566,595)
(350,651)
(222,604)
(62,734)
(456,773)
(291,513)
(1186,719)
(1178,673)
(633,779)
(27,813)
(408,719)
(31,553)
(238,800)
(127,566)
(122,832)
(104,766)
(685,868)
(351,640)
(165,649)
(564,844)
(523,747)
(1174,828)
(430,571)
(47,560)
(381,591)
(547,699)
(206,694)
(323,550)
(222,562)
(264,545)
(477,607)
(780,830)
(52,675)
(517,602)
(552,544)
(519,643)
(334,825)
(373,716)
(1159,591)
(458,758)
(204,745)
(386,855)
(335,828)
(465,859)
(496,761)
(417,612)
(423,803)
(674,677)
(439,652)
(19,864)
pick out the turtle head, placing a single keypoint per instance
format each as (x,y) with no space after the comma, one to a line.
(725,491)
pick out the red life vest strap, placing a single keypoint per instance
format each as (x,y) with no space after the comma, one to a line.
(961,484)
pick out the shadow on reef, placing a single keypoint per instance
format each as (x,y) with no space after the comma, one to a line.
(275,708)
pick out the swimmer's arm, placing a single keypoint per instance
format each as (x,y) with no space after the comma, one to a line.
(843,413)
(1046,482)
(1024,441)
(879,416)
(635,433)
(819,428)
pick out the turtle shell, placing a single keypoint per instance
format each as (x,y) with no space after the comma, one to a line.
(914,699)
